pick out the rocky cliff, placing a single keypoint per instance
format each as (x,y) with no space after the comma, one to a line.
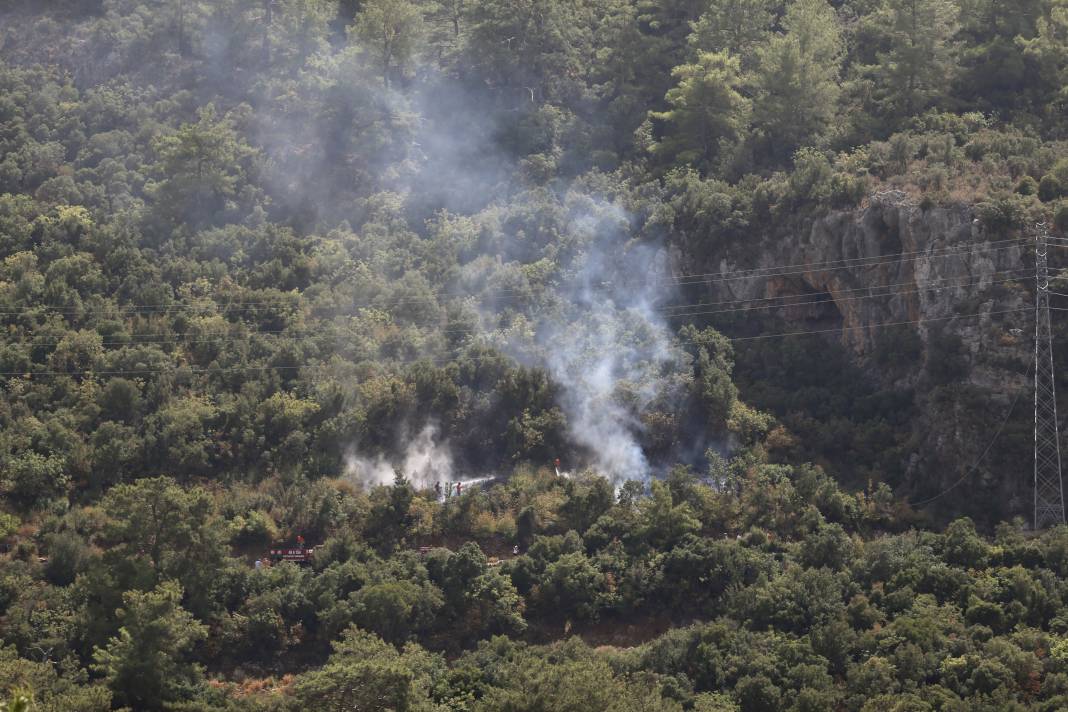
(927,302)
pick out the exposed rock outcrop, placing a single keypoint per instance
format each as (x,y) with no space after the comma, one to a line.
(891,272)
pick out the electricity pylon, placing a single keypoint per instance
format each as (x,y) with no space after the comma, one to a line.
(1049,489)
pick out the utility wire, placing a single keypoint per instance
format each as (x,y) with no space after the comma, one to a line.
(748,305)
(982,456)
(832,300)
(458,354)
(786,270)
(775,271)
(953,249)
(883,291)
(942,283)
(891,323)
(997,433)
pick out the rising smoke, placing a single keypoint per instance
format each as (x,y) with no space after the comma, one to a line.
(600,336)
(607,346)
(424,460)
(333,146)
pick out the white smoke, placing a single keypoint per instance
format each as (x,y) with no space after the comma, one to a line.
(606,345)
(608,361)
(424,461)
(602,342)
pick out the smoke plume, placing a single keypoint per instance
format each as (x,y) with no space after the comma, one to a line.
(424,461)
(606,345)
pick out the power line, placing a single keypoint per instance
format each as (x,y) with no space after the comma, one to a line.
(833,300)
(766,272)
(892,257)
(713,277)
(892,323)
(982,456)
(933,284)
(457,354)
(747,305)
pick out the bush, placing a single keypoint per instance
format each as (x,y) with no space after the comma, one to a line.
(9,524)
(830,546)
(848,190)
(1060,216)
(902,151)
(898,349)
(1002,213)
(811,179)
(1050,188)
(32,479)
(1027,186)
(256,527)
(68,555)
(1060,171)
(947,361)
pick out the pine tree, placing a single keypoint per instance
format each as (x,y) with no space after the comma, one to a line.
(708,114)
(921,59)
(735,26)
(796,79)
(391,30)
(146,663)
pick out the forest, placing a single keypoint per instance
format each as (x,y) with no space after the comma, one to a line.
(431,291)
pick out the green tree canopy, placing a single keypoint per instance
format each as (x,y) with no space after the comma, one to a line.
(147,663)
(919,63)
(391,30)
(708,114)
(796,78)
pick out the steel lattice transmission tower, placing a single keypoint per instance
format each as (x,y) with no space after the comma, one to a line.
(1049,489)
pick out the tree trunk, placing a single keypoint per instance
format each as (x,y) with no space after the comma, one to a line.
(268,18)
(181,28)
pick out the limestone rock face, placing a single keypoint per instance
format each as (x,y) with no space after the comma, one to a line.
(890,263)
(891,271)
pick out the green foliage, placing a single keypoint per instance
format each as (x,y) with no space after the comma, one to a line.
(31,479)
(395,610)
(796,79)
(1003,213)
(68,555)
(257,527)
(1050,188)
(39,687)
(202,166)
(159,531)
(1027,186)
(713,363)
(920,58)
(249,250)
(708,115)
(147,663)
(392,31)
(736,27)
(9,524)
(570,587)
(1052,185)
(1060,216)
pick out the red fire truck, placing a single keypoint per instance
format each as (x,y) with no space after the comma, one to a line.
(300,554)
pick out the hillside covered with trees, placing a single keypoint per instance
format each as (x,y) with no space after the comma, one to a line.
(274,269)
